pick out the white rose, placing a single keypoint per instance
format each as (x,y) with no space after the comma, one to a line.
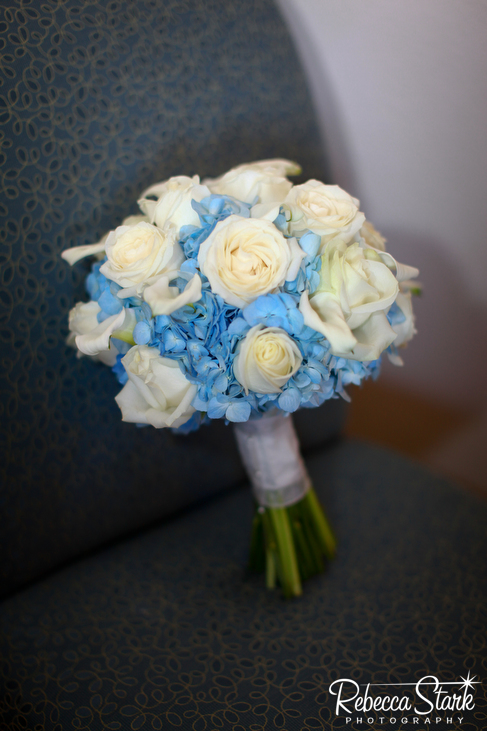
(157,392)
(173,204)
(350,304)
(93,338)
(370,239)
(326,210)
(266,360)
(80,252)
(137,254)
(246,257)
(265,180)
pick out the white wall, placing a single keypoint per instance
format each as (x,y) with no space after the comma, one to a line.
(400,87)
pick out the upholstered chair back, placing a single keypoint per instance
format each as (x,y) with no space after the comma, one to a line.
(97,101)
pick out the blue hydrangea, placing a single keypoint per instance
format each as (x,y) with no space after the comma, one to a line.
(119,370)
(275,310)
(193,424)
(204,337)
(395,315)
(352,371)
(105,292)
(308,277)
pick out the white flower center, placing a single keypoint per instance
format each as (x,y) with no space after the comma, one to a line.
(339,213)
(134,245)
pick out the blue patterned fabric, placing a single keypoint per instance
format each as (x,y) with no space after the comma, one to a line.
(97,101)
(165,630)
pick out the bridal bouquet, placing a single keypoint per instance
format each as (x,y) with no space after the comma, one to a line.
(245,298)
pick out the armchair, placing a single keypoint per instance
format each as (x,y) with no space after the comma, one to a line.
(125,602)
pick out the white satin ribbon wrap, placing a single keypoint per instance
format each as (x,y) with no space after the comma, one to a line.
(270,452)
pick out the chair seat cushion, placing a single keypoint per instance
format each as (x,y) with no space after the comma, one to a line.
(166,630)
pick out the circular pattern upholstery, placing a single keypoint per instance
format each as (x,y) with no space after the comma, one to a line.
(98,100)
(165,630)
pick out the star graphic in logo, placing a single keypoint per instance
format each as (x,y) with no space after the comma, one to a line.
(469,682)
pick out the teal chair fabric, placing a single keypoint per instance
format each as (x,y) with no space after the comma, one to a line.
(98,100)
(165,630)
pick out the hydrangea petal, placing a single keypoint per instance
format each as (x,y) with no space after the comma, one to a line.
(289,400)
(238,411)
(217,409)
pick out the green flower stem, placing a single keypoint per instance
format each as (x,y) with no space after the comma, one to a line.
(270,569)
(290,543)
(320,523)
(290,579)
(305,558)
(311,540)
(316,549)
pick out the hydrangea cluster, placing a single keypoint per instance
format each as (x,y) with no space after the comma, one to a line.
(237,295)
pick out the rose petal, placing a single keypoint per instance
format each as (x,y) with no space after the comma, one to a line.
(265,211)
(97,340)
(373,337)
(163,299)
(326,317)
(159,394)
(79,252)
(383,282)
(404,330)
(265,180)
(297,256)
(402,271)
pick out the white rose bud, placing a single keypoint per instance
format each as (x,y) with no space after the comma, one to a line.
(350,304)
(265,180)
(327,210)
(80,252)
(244,258)
(157,392)
(266,360)
(137,254)
(173,204)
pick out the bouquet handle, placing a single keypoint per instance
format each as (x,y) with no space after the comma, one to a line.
(291,536)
